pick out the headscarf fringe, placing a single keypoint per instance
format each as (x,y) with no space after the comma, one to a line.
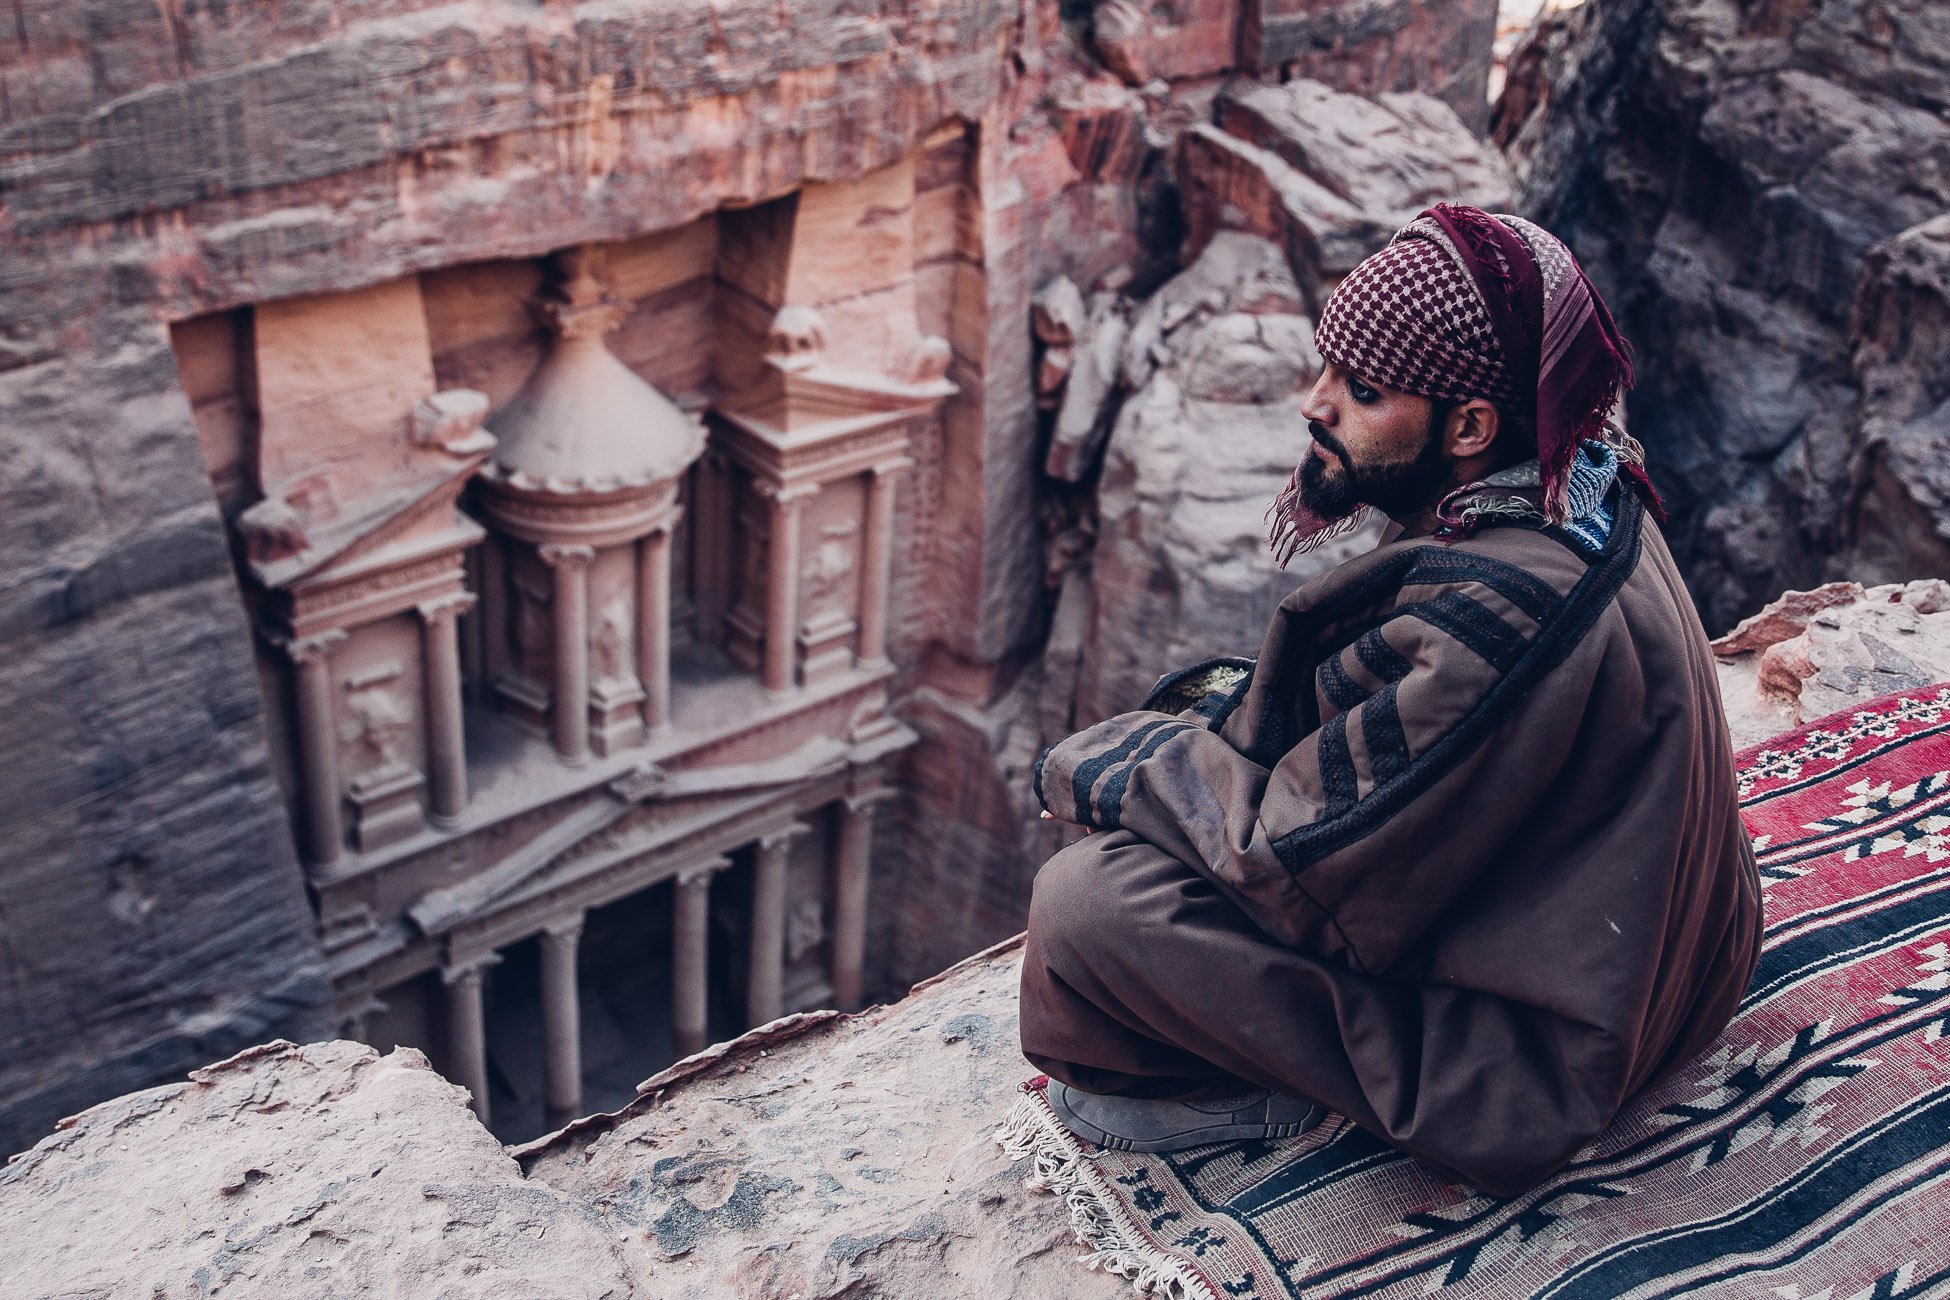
(1292,529)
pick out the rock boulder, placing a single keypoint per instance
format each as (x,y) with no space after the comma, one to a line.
(1812,653)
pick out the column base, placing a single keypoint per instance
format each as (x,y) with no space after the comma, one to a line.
(446,823)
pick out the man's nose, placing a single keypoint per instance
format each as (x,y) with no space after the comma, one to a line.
(1316,406)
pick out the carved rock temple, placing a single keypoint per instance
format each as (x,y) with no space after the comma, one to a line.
(546,648)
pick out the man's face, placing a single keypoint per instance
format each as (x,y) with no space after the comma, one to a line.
(1372,446)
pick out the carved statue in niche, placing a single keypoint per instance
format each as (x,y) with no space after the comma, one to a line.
(611,643)
(805,928)
(828,568)
(380,719)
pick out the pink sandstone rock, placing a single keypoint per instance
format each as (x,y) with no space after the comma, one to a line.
(1374,46)
(296,1171)
(1327,175)
(357,205)
(1811,653)
(1216,365)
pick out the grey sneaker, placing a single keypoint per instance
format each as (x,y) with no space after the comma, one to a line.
(1138,1124)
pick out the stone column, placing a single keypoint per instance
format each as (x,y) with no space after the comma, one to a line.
(653,627)
(853,861)
(318,748)
(690,958)
(562,1019)
(765,987)
(467,1028)
(446,737)
(571,611)
(877,563)
(782,587)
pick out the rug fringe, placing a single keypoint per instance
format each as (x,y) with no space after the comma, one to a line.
(1059,1166)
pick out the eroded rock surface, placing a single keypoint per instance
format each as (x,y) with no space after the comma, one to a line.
(1330,176)
(1373,46)
(820,1157)
(1899,518)
(1734,177)
(285,1171)
(1218,363)
(1812,653)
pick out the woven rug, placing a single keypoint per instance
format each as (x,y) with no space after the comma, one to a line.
(1806,1157)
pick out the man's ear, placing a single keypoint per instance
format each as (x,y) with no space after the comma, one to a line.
(1472,429)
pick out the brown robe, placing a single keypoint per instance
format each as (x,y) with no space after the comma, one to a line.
(1460,857)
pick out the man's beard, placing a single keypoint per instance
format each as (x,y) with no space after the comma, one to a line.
(1399,489)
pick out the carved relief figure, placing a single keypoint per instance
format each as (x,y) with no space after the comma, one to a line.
(380,719)
(611,643)
(805,928)
(826,571)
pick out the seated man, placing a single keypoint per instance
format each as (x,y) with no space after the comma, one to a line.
(1458,856)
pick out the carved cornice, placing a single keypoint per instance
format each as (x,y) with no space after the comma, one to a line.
(537,514)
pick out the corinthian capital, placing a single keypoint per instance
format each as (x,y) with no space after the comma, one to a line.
(566,556)
(445,607)
(308,650)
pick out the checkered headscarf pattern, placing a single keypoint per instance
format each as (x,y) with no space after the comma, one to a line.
(1410,318)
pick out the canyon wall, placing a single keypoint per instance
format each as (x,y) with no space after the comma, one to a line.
(1760,190)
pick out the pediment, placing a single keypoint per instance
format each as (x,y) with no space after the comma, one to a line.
(409,511)
(564,843)
(791,407)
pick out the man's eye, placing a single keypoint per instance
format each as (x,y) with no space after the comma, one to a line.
(1361,392)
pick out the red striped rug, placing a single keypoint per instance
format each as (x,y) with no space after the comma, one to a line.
(1807,1157)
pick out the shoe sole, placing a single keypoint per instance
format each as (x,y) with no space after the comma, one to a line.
(1201,1137)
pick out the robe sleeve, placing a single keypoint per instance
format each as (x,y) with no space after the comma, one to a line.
(1369,828)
